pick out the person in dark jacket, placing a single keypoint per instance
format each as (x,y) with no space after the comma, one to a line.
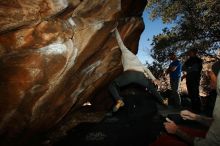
(193,67)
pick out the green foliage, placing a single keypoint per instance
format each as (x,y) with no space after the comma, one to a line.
(156,69)
(197,26)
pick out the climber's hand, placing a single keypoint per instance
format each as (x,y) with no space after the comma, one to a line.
(114,27)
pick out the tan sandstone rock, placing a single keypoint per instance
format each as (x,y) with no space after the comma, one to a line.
(55,54)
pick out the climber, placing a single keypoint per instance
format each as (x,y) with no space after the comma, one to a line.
(134,72)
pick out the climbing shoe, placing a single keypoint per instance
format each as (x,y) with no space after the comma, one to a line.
(118,105)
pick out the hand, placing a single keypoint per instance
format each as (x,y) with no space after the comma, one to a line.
(165,102)
(187,115)
(156,82)
(170,126)
(114,27)
(183,77)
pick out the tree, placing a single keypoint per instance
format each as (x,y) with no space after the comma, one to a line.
(197,26)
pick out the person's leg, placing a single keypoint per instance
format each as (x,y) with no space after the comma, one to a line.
(189,86)
(147,83)
(114,89)
(174,83)
(124,79)
(195,96)
(193,92)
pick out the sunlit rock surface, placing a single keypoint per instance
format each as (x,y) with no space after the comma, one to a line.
(55,55)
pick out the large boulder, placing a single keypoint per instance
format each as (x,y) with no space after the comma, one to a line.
(55,54)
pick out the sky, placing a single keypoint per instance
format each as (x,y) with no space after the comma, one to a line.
(151,28)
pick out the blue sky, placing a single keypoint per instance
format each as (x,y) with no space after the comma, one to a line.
(151,28)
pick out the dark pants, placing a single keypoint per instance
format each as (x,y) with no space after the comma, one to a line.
(192,83)
(174,83)
(129,77)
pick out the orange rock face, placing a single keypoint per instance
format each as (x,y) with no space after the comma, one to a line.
(54,55)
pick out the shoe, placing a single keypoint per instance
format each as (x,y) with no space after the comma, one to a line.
(118,105)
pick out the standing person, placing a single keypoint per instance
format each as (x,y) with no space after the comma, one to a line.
(134,72)
(174,70)
(212,137)
(193,68)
